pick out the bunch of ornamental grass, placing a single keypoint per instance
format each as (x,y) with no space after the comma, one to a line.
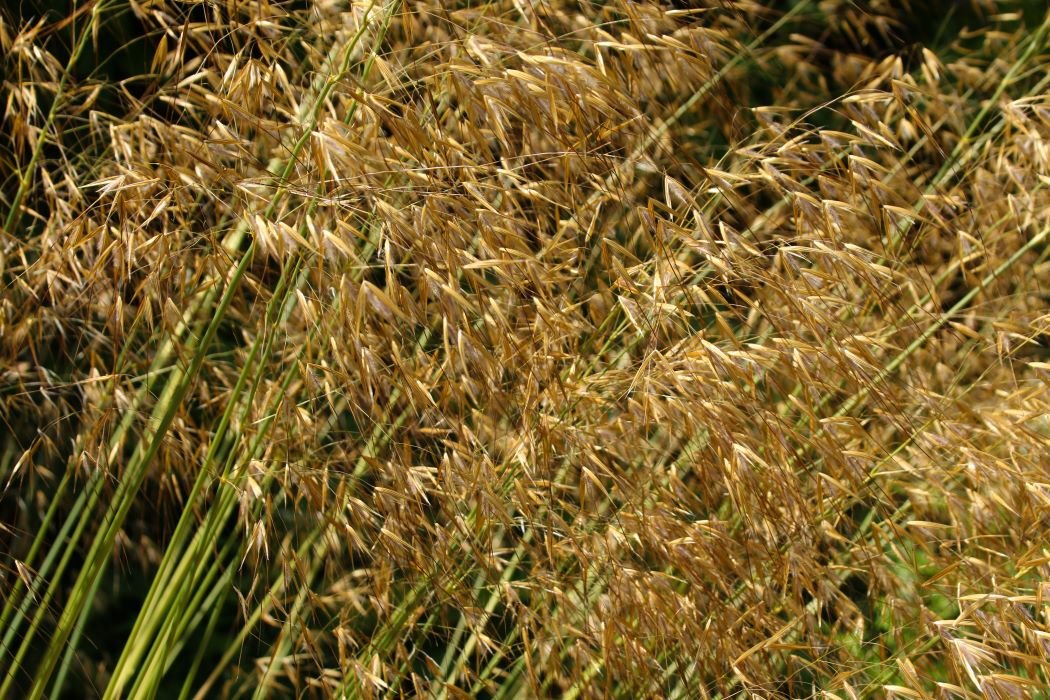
(535,348)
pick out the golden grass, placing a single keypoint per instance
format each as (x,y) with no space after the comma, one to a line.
(525,349)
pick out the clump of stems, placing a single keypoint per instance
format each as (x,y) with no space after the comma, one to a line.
(525,349)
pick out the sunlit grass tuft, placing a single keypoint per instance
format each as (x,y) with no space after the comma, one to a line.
(627,349)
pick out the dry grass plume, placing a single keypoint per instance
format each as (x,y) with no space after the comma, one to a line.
(525,349)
